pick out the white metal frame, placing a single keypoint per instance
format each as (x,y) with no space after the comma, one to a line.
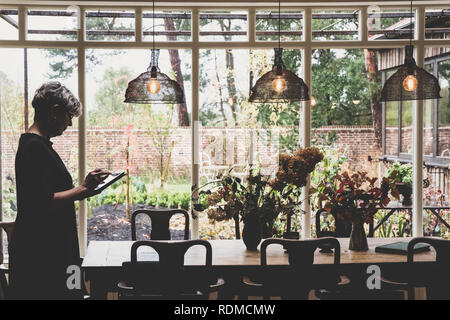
(306,45)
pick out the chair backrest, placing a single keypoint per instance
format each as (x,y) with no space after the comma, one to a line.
(8,228)
(168,277)
(341,230)
(439,280)
(160,219)
(300,277)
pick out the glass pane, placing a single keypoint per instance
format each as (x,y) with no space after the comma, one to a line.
(12,126)
(45,65)
(42,67)
(392,128)
(436,23)
(110,25)
(407,134)
(444,109)
(61,24)
(335,24)
(267,25)
(234,132)
(390,24)
(9,23)
(340,88)
(223,25)
(169,25)
(152,142)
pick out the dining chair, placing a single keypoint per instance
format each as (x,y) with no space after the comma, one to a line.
(299,278)
(160,219)
(341,230)
(4,270)
(437,282)
(166,278)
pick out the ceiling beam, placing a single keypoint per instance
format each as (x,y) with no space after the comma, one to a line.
(234,3)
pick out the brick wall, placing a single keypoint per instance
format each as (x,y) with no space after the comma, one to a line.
(356,142)
(107,148)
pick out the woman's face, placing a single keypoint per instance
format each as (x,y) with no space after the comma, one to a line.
(61,120)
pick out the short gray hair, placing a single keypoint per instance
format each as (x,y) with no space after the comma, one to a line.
(54,93)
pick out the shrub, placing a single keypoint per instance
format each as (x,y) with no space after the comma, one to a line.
(163,200)
(185,201)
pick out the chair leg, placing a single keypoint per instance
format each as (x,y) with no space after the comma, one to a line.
(411,293)
(4,285)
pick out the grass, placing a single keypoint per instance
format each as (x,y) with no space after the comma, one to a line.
(172,188)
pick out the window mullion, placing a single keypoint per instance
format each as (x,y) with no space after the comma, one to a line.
(81,54)
(195,145)
(138,25)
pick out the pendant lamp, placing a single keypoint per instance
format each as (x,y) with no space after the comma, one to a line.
(279,84)
(410,82)
(154,86)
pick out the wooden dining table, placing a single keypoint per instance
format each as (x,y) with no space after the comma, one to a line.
(102,264)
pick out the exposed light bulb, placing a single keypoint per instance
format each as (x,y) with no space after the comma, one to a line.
(410,83)
(313,101)
(153,86)
(279,84)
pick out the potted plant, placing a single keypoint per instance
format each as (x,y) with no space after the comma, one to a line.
(259,200)
(401,175)
(354,199)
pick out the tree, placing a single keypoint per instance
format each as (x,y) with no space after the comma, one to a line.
(12,110)
(340,87)
(175,61)
(374,88)
(65,61)
(109,106)
(161,128)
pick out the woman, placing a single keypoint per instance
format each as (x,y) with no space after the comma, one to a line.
(45,242)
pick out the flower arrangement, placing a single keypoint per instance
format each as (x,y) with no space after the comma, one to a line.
(355,198)
(259,198)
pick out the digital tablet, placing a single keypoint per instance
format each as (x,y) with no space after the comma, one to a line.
(113,177)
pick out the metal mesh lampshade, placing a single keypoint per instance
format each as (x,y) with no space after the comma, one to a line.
(169,90)
(427,84)
(295,88)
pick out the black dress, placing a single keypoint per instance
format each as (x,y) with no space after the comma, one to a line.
(44,241)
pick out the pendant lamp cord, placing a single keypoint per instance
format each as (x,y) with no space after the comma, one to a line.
(410,24)
(153,16)
(279,23)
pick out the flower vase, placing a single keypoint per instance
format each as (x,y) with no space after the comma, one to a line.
(406,191)
(358,238)
(251,233)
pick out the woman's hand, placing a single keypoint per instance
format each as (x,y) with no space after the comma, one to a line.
(92,180)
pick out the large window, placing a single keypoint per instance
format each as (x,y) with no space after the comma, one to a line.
(151,141)
(216,54)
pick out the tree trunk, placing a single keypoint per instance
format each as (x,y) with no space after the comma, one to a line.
(375,104)
(175,61)
(222,111)
(231,85)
